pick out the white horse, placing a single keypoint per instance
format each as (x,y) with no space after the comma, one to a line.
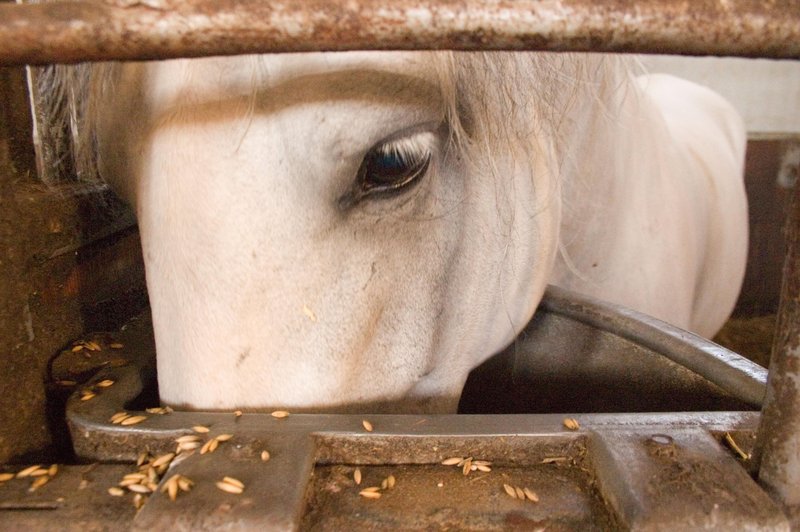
(357,231)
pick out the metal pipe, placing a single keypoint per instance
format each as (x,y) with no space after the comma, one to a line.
(68,32)
(777,448)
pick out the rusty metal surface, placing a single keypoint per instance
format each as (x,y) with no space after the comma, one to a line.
(307,482)
(678,481)
(122,29)
(778,445)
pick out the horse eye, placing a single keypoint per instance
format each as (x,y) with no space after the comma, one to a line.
(389,167)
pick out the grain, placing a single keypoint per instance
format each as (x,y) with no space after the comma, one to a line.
(233,481)
(139,488)
(223,437)
(367,494)
(229,488)
(531,495)
(92,346)
(280,414)
(163,459)
(264,456)
(390,481)
(367,425)
(105,383)
(116,345)
(87,394)
(200,429)
(452,461)
(571,423)
(357,476)
(510,491)
(237,413)
(115,491)
(184,483)
(53,470)
(520,493)
(38,483)
(27,471)
(138,501)
(39,472)
(118,417)
(467,466)
(187,438)
(133,420)
(4,477)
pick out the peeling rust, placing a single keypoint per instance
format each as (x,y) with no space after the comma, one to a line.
(778,446)
(63,32)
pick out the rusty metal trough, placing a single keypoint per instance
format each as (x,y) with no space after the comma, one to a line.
(611,461)
(634,468)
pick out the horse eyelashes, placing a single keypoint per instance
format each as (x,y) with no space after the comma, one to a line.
(390,167)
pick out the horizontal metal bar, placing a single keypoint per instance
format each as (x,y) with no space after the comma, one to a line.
(68,32)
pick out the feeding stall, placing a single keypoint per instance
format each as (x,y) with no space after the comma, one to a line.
(649,427)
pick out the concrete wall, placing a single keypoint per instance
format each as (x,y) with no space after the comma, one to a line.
(767,93)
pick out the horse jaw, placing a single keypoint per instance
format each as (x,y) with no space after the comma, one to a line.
(264,293)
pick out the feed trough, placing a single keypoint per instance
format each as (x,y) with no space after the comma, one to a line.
(506,467)
(596,418)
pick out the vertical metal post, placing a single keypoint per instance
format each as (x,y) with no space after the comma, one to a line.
(777,448)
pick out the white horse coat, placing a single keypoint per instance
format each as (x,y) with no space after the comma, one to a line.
(357,231)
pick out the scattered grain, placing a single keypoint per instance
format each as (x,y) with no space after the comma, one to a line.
(133,420)
(118,417)
(187,438)
(27,471)
(357,476)
(105,383)
(223,437)
(233,481)
(200,429)
(370,494)
(163,459)
(510,490)
(520,493)
(87,394)
(4,477)
(530,494)
(309,313)
(39,472)
(77,348)
(390,481)
(66,382)
(116,345)
(452,461)
(229,488)
(280,414)
(92,346)
(367,425)
(139,488)
(264,456)
(38,483)
(571,423)
(237,413)
(138,501)
(184,483)
(467,466)
(115,491)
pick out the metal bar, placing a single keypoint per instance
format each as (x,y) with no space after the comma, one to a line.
(68,32)
(778,444)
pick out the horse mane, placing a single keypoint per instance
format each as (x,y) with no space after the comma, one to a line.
(494,98)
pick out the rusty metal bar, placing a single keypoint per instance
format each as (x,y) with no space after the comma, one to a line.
(778,444)
(68,32)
